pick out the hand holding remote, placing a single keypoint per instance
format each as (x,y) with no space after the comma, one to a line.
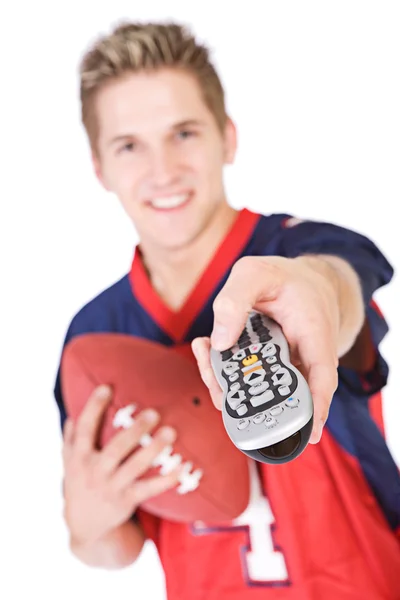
(306,296)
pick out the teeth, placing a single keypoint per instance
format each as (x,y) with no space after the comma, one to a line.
(169,202)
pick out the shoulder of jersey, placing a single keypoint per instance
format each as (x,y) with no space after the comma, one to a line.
(282,220)
(96,313)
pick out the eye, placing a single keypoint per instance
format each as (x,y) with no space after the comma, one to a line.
(185,134)
(127,147)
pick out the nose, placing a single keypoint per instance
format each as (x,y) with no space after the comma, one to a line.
(163,167)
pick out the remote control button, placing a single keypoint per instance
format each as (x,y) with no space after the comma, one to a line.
(257,324)
(255,317)
(234,403)
(254,376)
(284,390)
(236,394)
(239,355)
(245,334)
(264,337)
(259,328)
(262,398)
(249,360)
(235,386)
(242,423)
(241,410)
(252,367)
(276,411)
(287,378)
(271,359)
(268,350)
(270,422)
(233,377)
(226,355)
(292,402)
(275,368)
(231,368)
(282,377)
(235,398)
(244,337)
(258,418)
(258,388)
(255,348)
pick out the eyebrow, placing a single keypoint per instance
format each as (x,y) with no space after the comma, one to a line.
(188,123)
(174,127)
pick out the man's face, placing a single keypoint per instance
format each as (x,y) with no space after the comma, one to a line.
(162,153)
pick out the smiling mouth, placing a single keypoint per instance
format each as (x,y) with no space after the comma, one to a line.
(170,202)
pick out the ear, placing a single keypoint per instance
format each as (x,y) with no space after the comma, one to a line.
(230,141)
(98,171)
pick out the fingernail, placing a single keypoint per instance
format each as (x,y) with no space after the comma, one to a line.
(318,432)
(103,392)
(150,415)
(219,337)
(168,434)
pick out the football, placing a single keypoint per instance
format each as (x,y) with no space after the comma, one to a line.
(215,484)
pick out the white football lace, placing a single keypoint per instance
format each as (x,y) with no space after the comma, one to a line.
(189,480)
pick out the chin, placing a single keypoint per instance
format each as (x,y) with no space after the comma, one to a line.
(174,231)
(174,243)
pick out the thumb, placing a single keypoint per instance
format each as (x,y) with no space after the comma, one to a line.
(229,321)
(231,309)
(234,303)
(253,280)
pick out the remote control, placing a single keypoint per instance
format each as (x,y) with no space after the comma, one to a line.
(267,408)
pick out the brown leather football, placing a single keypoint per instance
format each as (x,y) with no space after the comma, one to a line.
(144,374)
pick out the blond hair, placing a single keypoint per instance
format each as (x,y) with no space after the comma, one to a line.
(134,47)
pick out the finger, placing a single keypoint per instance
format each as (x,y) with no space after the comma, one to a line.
(322,381)
(68,431)
(201,349)
(68,436)
(126,441)
(141,461)
(88,424)
(144,489)
(217,397)
(252,280)
(317,352)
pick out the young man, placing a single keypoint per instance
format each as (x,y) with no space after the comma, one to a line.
(324,525)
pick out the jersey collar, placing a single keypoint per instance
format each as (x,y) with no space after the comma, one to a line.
(176,323)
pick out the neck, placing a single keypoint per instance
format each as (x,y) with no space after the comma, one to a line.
(174,272)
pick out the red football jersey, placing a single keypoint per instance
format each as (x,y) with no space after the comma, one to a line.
(322,527)
(312,530)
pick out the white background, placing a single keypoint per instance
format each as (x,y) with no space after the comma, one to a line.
(314,89)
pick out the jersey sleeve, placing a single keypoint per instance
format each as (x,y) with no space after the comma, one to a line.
(72,331)
(88,320)
(374,271)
